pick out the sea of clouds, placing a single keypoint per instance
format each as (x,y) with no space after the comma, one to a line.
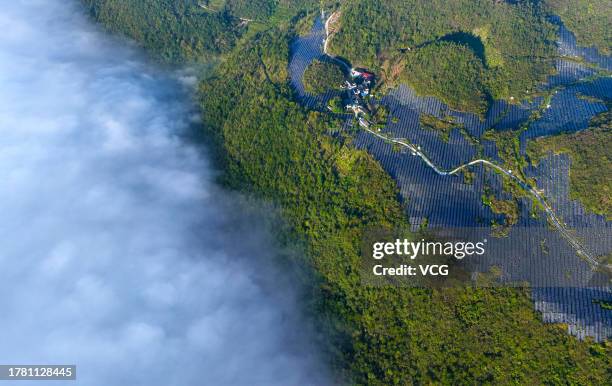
(118,253)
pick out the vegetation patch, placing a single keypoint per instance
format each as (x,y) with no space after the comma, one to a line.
(510,210)
(589,20)
(449,71)
(380,116)
(591,168)
(444,126)
(213,5)
(508,149)
(252,9)
(492,55)
(336,106)
(305,23)
(604,304)
(320,77)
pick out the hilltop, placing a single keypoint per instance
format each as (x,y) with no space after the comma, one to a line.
(503,49)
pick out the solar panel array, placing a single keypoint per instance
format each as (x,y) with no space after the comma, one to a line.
(564,287)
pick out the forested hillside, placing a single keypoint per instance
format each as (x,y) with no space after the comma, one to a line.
(259,9)
(589,20)
(331,195)
(512,40)
(174,30)
(322,76)
(252,9)
(449,71)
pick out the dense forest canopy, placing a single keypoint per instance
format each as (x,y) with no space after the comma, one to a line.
(322,76)
(589,20)
(174,30)
(187,31)
(449,71)
(252,9)
(513,40)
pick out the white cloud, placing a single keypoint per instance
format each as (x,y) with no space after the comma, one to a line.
(117,252)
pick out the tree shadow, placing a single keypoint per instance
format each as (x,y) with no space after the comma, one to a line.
(469,40)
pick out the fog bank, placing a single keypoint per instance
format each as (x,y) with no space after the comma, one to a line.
(118,253)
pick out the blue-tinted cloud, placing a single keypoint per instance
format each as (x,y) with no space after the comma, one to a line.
(118,253)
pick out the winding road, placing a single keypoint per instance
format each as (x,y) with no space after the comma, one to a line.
(556,222)
(554,219)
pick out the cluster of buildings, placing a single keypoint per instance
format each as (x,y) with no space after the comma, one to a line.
(358,89)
